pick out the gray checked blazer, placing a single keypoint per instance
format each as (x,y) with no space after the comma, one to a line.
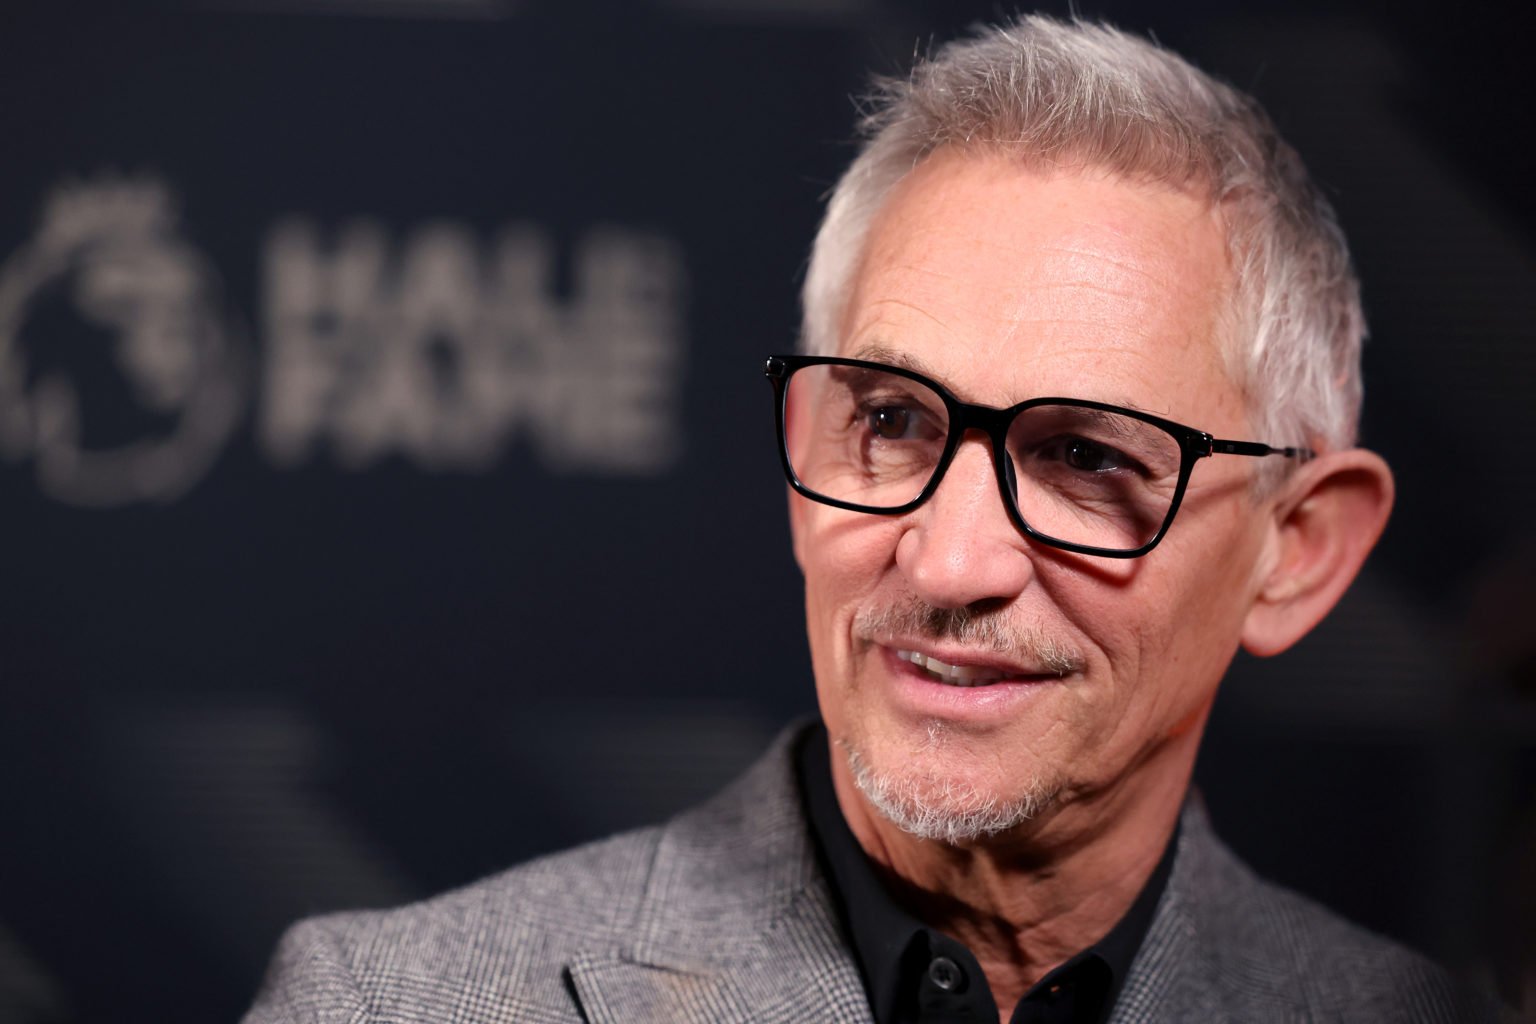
(723,915)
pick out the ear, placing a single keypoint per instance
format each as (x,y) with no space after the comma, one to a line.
(1327,518)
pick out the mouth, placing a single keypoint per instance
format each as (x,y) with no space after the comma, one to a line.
(954,675)
(977,688)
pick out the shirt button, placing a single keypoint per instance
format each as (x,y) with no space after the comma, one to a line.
(946,974)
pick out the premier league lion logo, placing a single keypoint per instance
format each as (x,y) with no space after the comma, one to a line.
(119,380)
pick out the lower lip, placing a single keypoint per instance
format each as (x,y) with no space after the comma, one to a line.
(918,692)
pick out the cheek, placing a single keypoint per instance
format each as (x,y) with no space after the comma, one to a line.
(1188,638)
(844,557)
(1161,633)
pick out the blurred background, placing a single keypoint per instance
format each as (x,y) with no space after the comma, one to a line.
(387,490)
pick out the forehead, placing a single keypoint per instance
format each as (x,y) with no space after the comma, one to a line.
(1010,284)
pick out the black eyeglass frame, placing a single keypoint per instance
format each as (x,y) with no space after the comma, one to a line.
(994,422)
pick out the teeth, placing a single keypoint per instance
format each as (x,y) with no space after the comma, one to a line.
(954,675)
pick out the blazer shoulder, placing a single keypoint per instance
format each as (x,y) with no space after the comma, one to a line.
(1352,973)
(504,940)
(700,890)
(1277,947)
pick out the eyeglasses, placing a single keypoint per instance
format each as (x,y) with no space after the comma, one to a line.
(1083,476)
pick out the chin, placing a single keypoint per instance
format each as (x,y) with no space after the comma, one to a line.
(927,794)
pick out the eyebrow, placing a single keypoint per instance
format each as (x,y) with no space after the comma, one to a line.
(878,353)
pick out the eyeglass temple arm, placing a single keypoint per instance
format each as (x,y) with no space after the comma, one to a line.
(1216,446)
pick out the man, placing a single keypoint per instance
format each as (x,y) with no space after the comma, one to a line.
(1075,422)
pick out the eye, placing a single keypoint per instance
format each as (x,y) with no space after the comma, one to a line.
(898,418)
(1085,455)
(890,422)
(1088,456)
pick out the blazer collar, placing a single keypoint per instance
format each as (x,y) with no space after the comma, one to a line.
(737,922)
(1178,973)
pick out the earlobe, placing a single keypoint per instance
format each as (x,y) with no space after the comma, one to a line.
(1326,521)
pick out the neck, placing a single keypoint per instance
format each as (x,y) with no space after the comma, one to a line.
(1028,900)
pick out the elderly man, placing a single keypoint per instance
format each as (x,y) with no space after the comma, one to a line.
(1075,421)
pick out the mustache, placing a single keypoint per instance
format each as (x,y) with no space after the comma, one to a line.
(990,631)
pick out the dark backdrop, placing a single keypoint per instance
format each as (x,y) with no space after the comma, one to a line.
(386,473)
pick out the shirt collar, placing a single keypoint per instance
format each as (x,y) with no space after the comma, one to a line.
(882,932)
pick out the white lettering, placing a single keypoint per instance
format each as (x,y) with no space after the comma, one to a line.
(320,319)
(444,357)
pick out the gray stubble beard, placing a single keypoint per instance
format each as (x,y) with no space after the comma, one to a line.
(945,810)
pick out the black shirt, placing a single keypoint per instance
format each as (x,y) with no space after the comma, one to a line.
(917,975)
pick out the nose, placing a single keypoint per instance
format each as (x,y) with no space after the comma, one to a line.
(960,547)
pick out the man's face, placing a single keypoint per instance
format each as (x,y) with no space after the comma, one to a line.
(1006,285)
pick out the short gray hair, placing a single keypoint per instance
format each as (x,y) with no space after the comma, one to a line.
(1059,94)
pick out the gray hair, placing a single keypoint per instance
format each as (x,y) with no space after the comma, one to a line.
(1054,94)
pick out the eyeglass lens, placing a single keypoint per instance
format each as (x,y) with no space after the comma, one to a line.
(1079,475)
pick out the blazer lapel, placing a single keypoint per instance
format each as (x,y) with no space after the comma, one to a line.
(1169,979)
(798,971)
(737,922)
(618,991)
(1197,962)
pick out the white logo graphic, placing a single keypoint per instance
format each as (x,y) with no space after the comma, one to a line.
(120,380)
(107,297)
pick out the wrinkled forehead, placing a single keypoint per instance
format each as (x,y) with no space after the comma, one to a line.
(1008,283)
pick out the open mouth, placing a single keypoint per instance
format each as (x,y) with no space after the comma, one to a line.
(952,675)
